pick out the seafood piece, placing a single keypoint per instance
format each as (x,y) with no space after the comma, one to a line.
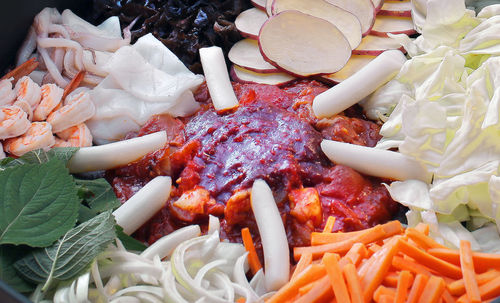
(27,90)
(51,97)
(39,135)
(22,70)
(2,153)
(75,136)
(7,94)
(13,122)
(26,107)
(78,108)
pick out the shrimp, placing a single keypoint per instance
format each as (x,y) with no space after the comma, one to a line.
(27,90)
(78,108)
(75,136)
(51,97)
(39,135)
(13,122)
(7,94)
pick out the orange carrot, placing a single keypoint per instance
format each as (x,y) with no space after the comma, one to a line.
(241,300)
(447,297)
(443,267)
(469,275)
(305,260)
(423,228)
(357,252)
(373,271)
(385,299)
(482,261)
(318,293)
(490,289)
(457,288)
(433,290)
(253,258)
(383,291)
(353,283)
(422,240)
(374,247)
(330,222)
(405,264)
(404,280)
(337,282)
(306,288)
(391,279)
(388,229)
(417,288)
(290,289)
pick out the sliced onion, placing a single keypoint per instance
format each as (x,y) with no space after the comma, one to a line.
(273,235)
(82,287)
(166,245)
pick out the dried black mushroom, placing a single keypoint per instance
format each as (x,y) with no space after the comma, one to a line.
(183,26)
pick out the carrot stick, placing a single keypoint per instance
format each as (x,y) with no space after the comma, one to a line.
(318,293)
(443,267)
(391,279)
(353,283)
(417,288)
(404,280)
(457,288)
(389,229)
(447,297)
(490,289)
(374,247)
(469,275)
(253,258)
(357,252)
(404,264)
(330,222)
(423,228)
(372,272)
(241,300)
(385,299)
(482,261)
(422,240)
(290,289)
(306,288)
(305,260)
(22,70)
(433,290)
(337,282)
(383,291)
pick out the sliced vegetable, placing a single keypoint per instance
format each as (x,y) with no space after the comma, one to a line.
(253,258)
(115,154)
(373,75)
(243,75)
(217,78)
(375,162)
(166,245)
(345,21)
(330,222)
(375,45)
(246,53)
(469,273)
(355,63)
(396,8)
(353,283)
(272,234)
(144,204)
(392,25)
(417,288)
(304,261)
(286,41)
(377,4)
(249,22)
(362,9)
(337,282)
(260,4)
(433,290)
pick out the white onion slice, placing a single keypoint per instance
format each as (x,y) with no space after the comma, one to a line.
(166,245)
(217,77)
(143,205)
(115,154)
(273,235)
(375,162)
(373,75)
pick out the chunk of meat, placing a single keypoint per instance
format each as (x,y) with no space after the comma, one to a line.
(305,205)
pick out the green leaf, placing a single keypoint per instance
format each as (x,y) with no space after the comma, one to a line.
(129,242)
(38,203)
(8,255)
(70,255)
(98,196)
(40,156)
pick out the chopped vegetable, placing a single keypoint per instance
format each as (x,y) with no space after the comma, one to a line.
(337,282)
(253,258)
(469,273)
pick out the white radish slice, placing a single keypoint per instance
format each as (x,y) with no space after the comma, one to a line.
(346,22)
(243,75)
(354,64)
(115,154)
(249,22)
(375,162)
(246,53)
(398,8)
(273,236)
(260,4)
(143,205)
(350,91)
(394,25)
(218,83)
(375,45)
(377,4)
(362,9)
(303,45)
(269,7)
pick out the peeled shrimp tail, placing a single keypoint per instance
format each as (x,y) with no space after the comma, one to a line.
(27,48)
(13,122)
(7,94)
(51,97)
(27,90)
(38,136)
(78,109)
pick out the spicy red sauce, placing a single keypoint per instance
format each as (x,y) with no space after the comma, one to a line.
(273,135)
